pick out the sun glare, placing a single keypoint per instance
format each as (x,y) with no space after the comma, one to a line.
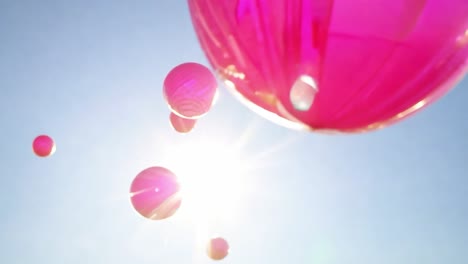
(212,178)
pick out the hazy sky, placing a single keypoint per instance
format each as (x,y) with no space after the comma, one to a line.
(90,73)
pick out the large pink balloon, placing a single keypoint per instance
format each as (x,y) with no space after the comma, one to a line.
(217,248)
(155,193)
(189,89)
(43,146)
(342,65)
(180,124)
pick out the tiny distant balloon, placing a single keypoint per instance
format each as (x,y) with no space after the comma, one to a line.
(154,193)
(43,146)
(217,248)
(180,124)
(189,89)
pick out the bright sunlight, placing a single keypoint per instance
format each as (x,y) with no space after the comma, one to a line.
(213,178)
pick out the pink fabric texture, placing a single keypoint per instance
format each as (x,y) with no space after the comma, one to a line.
(340,65)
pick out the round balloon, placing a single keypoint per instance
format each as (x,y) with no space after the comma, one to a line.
(154,193)
(181,124)
(335,65)
(217,248)
(43,146)
(189,89)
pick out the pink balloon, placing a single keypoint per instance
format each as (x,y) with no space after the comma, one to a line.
(217,248)
(43,146)
(189,89)
(155,193)
(180,124)
(341,65)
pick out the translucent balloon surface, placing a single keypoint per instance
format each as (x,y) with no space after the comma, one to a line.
(43,146)
(180,124)
(189,89)
(217,248)
(155,193)
(341,65)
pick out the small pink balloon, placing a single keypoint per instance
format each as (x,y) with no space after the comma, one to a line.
(43,146)
(217,248)
(189,89)
(181,124)
(155,193)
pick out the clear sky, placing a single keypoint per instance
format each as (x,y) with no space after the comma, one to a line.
(90,73)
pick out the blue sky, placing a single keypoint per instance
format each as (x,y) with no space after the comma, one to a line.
(90,74)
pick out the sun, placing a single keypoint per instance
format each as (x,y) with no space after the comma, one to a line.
(213,176)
